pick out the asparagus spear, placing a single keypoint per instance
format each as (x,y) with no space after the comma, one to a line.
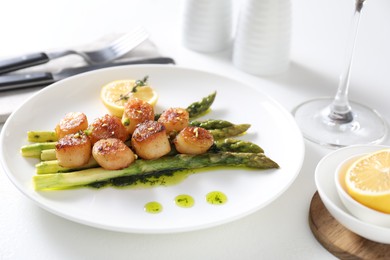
(35,149)
(41,136)
(229,131)
(198,108)
(211,124)
(52,166)
(195,109)
(143,167)
(234,145)
(49,163)
(48,155)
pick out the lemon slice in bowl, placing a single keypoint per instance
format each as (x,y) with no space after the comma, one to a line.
(116,93)
(368,180)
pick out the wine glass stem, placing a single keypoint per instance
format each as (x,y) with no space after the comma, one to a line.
(340,110)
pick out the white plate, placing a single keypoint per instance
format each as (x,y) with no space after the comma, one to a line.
(273,128)
(324,178)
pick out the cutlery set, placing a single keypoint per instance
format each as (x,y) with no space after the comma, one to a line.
(97,59)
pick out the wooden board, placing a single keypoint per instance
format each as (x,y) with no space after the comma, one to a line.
(338,240)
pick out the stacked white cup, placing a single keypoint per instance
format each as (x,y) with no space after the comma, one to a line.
(262,43)
(207,25)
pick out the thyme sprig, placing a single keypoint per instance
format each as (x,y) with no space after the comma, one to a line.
(138,83)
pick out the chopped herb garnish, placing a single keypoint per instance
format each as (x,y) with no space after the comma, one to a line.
(138,83)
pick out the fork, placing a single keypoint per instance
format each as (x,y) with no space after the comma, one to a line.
(109,53)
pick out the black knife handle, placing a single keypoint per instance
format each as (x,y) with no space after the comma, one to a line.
(18,81)
(41,79)
(24,61)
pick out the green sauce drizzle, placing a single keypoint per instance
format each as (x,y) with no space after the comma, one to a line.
(216,198)
(153,207)
(166,178)
(184,201)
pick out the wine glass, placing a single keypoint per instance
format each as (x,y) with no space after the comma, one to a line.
(337,122)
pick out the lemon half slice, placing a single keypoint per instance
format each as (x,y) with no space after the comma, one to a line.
(368,180)
(116,93)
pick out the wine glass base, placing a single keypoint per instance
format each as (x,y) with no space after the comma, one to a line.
(367,126)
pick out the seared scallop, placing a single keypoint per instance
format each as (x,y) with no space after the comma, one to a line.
(112,154)
(71,123)
(193,140)
(174,120)
(150,140)
(107,126)
(73,150)
(135,112)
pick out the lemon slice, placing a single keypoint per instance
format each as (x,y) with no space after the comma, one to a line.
(116,93)
(368,180)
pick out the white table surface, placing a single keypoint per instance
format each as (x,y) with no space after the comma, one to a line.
(278,231)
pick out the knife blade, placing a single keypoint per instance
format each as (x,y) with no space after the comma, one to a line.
(42,79)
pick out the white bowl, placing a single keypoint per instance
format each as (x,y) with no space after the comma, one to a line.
(357,209)
(324,179)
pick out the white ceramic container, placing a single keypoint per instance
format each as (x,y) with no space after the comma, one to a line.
(207,25)
(262,43)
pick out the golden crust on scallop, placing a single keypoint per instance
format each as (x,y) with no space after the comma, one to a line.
(73,150)
(71,123)
(135,112)
(193,140)
(107,126)
(150,140)
(112,154)
(174,119)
